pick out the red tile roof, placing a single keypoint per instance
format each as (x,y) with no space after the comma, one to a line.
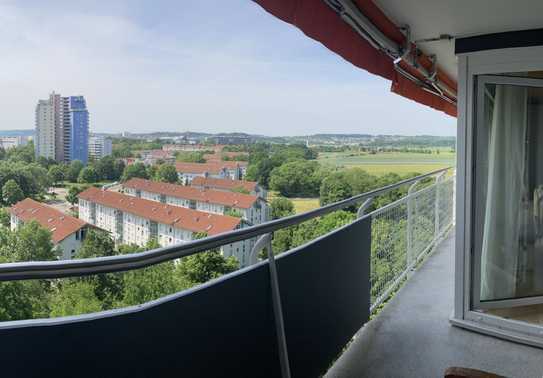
(231,199)
(211,167)
(226,184)
(178,217)
(60,224)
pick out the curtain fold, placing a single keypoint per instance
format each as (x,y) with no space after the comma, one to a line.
(501,245)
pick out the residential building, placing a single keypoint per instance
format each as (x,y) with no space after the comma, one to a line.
(8,142)
(62,128)
(224,169)
(132,220)
(252,208)
(46,131)
(151,157)
(67,232)
(99,146)
(250,187)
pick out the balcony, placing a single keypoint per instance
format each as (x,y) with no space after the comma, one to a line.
(294,315)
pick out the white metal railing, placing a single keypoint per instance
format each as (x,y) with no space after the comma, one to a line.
(404,231)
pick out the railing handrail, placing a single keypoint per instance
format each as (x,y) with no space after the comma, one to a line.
(110,264)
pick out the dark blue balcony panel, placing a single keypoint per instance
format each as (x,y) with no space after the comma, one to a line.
(223,328)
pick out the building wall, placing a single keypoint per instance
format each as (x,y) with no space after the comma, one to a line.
(68,247)
(79,129)
(99,147)
(254,215)
(137,230)
(45,130)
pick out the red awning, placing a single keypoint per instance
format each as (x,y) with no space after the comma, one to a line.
(318,21)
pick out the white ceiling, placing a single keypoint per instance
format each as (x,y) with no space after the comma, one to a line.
(461,18)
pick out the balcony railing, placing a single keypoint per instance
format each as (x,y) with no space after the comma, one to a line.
(290,316)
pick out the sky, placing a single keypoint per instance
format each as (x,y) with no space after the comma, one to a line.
(209,66)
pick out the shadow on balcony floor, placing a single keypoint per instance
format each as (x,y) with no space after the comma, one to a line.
(412,336)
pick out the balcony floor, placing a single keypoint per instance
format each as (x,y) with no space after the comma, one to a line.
(412,337)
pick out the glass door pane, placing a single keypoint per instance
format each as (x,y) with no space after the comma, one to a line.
(508,193)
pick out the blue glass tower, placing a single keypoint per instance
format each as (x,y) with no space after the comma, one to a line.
(79,129)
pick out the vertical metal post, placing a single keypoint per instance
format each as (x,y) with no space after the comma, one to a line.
(410,220)
(265,241)
(436,214)
(362,209)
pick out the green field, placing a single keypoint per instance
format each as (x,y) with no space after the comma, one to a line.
(390,162)
(301,205)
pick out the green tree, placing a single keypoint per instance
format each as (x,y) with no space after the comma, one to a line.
(88,175)
(56,174)
(105,169)
(190,157)
(335,188)
(29,242)
(73,171)
(166,173)
(73,193)
(135,170)
(150,283)
(281,207)
(202,267)
(297,179)
(97,243)
(12,193)
(74,298)
(5,218)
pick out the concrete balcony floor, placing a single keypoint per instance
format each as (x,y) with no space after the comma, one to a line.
(412,337)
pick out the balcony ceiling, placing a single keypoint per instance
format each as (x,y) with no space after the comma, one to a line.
(460,18)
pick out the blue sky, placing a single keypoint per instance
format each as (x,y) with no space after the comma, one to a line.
(213,66)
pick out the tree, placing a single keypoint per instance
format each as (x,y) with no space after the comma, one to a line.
(233,213)
(12,193)
(56,174)
(5,218)
(119,167)
(73,193)
(74,298)
(190,157)
(73,170)
(105,169)
(29,242)
(135,170)
(96,244)
(202,267)
(335,188)
(166,173)
(87,175)
(297,178)
(281,207)
(150,283)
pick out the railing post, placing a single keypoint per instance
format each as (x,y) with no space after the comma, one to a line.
(362,209)
(410,220)
(265,241)
(436,215)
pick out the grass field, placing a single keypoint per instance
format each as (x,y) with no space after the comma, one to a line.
(387,162)
(301,205)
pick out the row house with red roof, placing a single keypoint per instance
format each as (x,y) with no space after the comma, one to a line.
(132,220)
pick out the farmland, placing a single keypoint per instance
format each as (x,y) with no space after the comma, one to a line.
(390,162)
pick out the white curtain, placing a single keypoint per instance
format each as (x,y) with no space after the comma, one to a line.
(505,187)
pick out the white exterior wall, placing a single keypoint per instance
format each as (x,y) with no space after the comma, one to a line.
(69,246)
(99,147)
(45,129)
(136,230)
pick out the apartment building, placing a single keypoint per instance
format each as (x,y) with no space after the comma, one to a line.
(132,220)
(225,169)
(8,142)
(99,146)
(151,157)
(62,128)
(251,187)
(252,208)
(67,232)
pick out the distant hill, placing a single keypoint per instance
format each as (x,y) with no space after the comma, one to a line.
(5,133)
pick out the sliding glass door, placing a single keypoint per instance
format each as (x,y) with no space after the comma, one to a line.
(508,191)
